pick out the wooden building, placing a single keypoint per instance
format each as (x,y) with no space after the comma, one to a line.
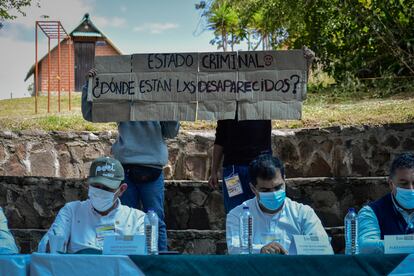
(87,43)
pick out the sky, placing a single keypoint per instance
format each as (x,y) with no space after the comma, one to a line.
(134,26)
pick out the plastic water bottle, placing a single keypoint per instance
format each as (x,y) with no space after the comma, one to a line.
(246,231)
(151,232)
(351,232)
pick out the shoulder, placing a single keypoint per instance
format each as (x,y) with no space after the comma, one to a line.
(72,207)
(75,204)
(236,211)
(299,209)
(137,214)
(380,201)
(366,211)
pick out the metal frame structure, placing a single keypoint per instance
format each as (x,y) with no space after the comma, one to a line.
(52,30)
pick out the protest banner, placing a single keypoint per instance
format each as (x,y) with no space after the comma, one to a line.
(199,86)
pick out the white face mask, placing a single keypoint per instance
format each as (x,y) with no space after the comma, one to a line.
(101,200)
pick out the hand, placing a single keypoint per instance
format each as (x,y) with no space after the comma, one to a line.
(308,53)
(273,248)
(92,73)
(213,181)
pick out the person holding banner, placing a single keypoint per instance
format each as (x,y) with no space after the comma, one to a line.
(392,214)
(142,150)
(7,244)
(240,142)
(276,218)
(83,225)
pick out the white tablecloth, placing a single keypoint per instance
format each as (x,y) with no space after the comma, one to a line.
(14,265)
(79,265)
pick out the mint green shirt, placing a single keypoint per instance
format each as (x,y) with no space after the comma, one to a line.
(7,243)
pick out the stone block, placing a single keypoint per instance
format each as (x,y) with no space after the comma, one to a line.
(43,163)
(196,167)
(408,145)
(319,167)
(342,151)
(2,154)
(13,166)
(33,202)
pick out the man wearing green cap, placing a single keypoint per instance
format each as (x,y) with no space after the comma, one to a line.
(84,224)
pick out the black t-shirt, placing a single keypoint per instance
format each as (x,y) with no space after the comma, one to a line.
(243,141)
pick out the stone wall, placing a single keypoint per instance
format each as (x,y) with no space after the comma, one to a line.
(337,151)
(194,213)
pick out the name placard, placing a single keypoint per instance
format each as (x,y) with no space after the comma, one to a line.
(124,245)
(397,244)
(312,245)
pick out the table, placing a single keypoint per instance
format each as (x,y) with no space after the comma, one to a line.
(268,265)
(96,265)
(16,265)
(81,265)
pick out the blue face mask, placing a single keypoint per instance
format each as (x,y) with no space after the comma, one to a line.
(272,200)
(405,198)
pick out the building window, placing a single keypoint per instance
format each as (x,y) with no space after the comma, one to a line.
(100,43)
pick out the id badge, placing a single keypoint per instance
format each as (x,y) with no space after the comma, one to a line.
(102,231)
(233,185)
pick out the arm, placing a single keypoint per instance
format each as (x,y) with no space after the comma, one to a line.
(232,234)
(369,233)
(140,230)
(312,225)
(86,106)
(217,156)
(218,150)
(61,226)
(170,129)
(7,243)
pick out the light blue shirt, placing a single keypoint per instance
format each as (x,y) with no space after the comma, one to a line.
(82,227)
(293,219)
(7,243)
(369,232)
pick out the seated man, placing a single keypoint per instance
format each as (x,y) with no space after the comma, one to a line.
(392,214)
(85,223)
(275,216)
(7,244)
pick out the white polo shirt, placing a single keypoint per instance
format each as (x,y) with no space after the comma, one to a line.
(293,219)
(84,228)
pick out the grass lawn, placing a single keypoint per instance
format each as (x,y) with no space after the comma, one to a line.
(318,111)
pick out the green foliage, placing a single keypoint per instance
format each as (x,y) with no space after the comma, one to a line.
(6,6)
(223,20)
(321,109)
(362,38)
(352,38)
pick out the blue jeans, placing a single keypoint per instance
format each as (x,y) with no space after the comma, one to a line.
(148,196)
(244,176)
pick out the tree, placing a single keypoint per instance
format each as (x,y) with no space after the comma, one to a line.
(363,38)
(6,6)
(351,38)
(223,20)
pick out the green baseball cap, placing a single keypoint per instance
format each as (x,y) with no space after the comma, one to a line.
(106,171)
